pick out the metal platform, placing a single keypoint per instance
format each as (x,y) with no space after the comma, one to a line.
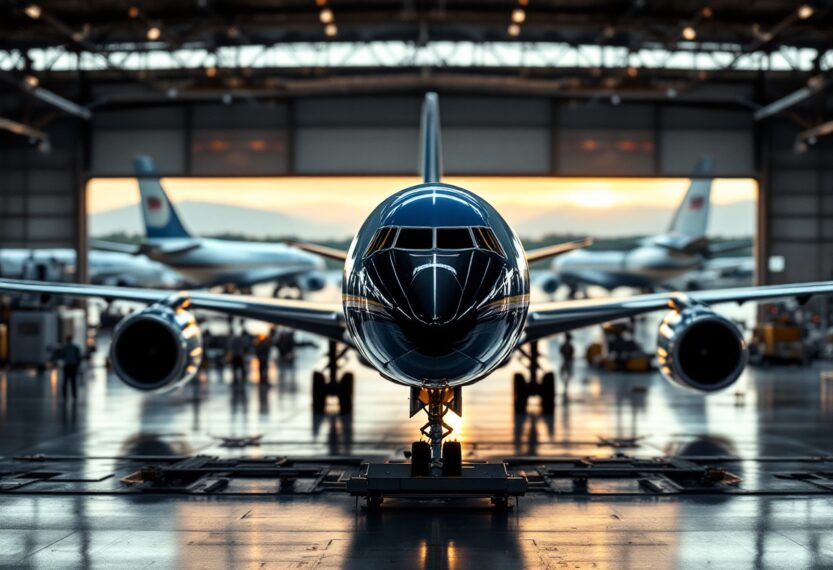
(479,480)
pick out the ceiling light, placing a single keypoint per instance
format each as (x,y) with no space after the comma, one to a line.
(211,71)
(523,2)
(320,2)
(518,16)
(331,30)
(31,81)
(154,33)
(233,32)
(513,30)
(805,11)
(632,72)
(326,16)
(33,11)
(133,12)
(707,12)
(689,33)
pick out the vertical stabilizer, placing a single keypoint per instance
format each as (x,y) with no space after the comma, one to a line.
(692,216)
(160,216)
(432,160)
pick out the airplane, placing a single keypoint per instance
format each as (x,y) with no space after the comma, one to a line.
(435,297)
(105,268)
(656,260)
(208,262)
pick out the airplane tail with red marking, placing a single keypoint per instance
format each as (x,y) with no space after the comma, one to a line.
(692,216)
(160,217)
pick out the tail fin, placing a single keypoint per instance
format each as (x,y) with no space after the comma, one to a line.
(432,159)
(161,218)
(692,216)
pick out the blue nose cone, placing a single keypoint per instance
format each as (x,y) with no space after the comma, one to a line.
(435,294)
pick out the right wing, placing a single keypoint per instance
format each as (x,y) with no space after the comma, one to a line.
(324,320)
(561,316)
(173,247)
(322,250)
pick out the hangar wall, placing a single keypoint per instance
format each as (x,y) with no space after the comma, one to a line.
(40,192)
(376,135)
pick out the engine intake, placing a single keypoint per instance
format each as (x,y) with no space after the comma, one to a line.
(159,347)
(700,350)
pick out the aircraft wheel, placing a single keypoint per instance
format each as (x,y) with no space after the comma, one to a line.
(345,393)
(548,393)
(319,391)
(521,392)
(452,459)
(420,459)
(374,503)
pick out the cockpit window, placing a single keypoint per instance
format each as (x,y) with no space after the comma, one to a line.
(382,240)
(454,238)
(486,239)
(415,238)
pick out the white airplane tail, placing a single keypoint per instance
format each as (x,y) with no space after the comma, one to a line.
(432,160)
(160,216)
(692,216)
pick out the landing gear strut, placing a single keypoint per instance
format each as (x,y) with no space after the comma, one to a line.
(448,456)
(533,385)
(327,382)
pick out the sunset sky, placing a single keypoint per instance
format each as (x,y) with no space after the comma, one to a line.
(350,199)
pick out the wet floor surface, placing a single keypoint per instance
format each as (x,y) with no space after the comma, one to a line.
(772,413)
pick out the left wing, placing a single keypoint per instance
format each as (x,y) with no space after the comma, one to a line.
(322,250)
(324,320)
(552,318)
(553,250)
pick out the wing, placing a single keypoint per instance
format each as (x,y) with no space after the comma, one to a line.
(105,245)
(324,320)
(322,250)
(553,250)
(552,318)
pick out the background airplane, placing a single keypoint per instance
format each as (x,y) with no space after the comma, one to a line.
(655,260)
(207,262)
(435,297)
(105,268)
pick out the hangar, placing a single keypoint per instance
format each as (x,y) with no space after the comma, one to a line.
(285,123)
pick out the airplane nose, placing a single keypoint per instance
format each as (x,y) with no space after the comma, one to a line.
(435,294)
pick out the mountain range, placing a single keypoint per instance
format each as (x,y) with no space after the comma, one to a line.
(207,218)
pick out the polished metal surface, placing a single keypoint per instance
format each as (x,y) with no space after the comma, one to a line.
(771,412)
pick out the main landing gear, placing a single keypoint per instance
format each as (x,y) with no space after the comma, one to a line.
(327,382)
(536,384)
(434,455)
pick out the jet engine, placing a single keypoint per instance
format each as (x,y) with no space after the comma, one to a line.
(313,281)
(159,347)
(700,350)
(550,284)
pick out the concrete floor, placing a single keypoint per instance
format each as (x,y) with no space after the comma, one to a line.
(785,412)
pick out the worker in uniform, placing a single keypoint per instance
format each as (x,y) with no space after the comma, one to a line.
(71,357)
(263,349)
(567,351)
(239,348)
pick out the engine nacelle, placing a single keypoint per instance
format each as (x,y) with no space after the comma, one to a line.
(700,350)
(313,281)
(159,347)
(550,284)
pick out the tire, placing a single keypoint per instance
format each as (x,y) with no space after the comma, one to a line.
(548,393)
(345,393)
(420,459)
(452,459)
(319,392)
(520,392)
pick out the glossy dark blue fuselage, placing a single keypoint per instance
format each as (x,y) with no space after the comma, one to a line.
(436,287)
